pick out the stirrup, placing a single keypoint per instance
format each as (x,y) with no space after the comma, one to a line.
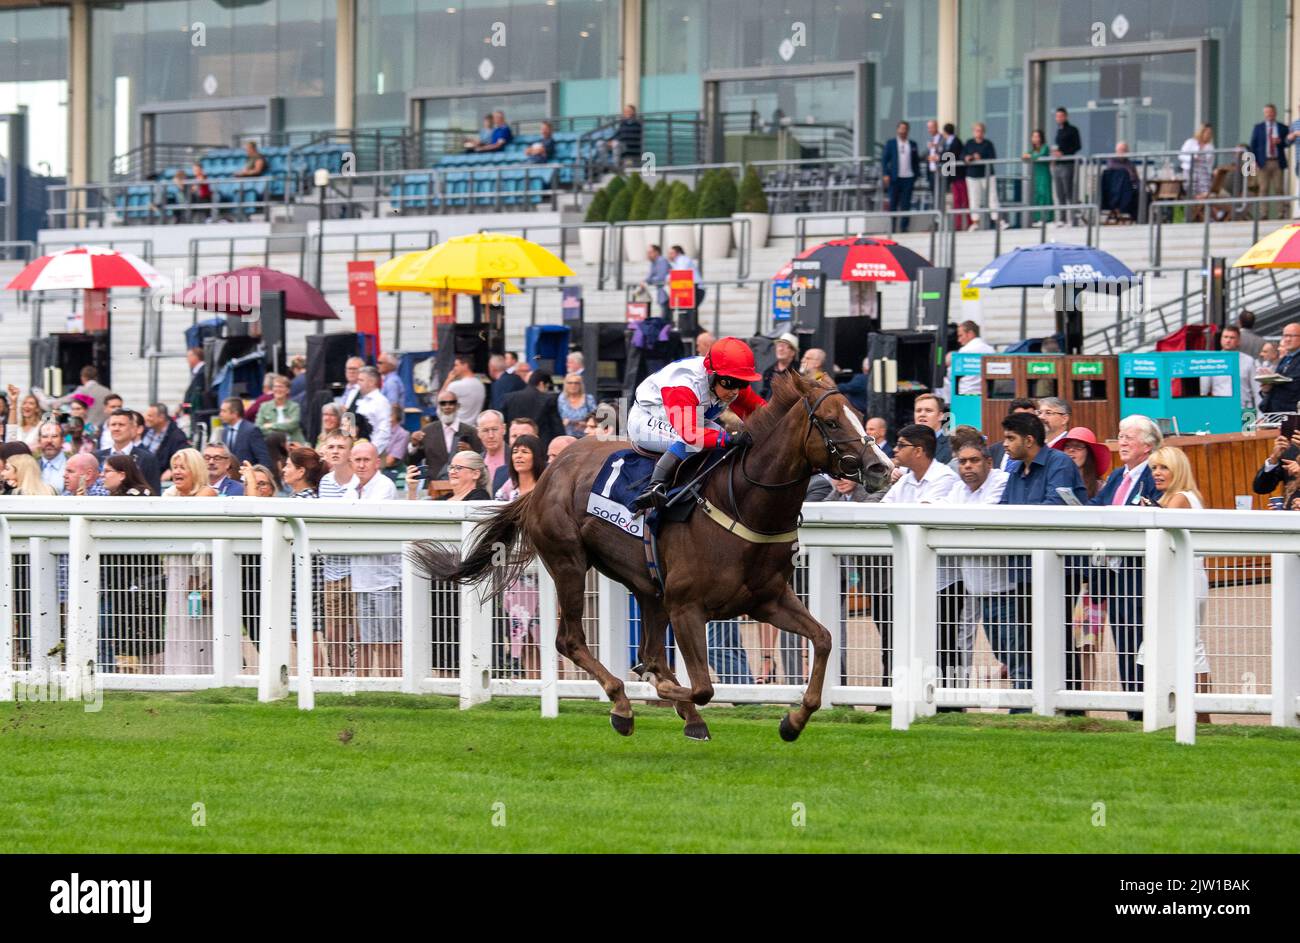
(656,496)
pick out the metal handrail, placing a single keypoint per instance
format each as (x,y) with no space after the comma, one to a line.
(381,191)
(743,249)
(159,209)
(1232,204)
(801,233)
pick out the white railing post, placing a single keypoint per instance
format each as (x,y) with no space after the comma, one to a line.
(1286,639)
(7,620)
(1185,608)
(915,612)
(1048,626)
(83,605)
(417,625)
(43,601)
(824,605)
(548,658)
(612,629)
(227,613)
(273,659)
(1159,638)
(303,620)
(475,637)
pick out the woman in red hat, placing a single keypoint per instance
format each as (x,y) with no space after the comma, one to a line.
(1092,457)
(676,410)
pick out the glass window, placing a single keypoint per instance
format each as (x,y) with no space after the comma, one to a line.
(33,74)
(1250,49)
(683,39)
(482,44)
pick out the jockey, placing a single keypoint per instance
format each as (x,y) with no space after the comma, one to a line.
(676,410)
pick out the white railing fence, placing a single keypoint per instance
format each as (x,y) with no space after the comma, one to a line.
(1037,609)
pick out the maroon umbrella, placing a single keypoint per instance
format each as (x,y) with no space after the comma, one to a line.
(862,259)
(240,292)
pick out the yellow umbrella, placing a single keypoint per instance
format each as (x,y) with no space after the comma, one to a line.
(1279,249)
(405,273)
(491,256)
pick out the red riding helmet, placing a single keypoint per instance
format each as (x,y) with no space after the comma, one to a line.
(731,357)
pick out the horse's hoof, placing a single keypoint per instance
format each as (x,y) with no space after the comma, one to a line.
(698,730)
(788,732)
(622,725)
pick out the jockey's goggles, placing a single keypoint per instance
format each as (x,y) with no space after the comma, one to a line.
(731,383)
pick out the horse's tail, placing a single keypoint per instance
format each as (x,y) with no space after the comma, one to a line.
(501,550)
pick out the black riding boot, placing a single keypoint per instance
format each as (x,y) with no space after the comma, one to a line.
(657,493)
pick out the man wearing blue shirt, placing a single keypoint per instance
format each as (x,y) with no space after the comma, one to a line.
(1036,471)
(501,134)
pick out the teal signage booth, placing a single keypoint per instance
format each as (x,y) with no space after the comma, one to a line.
(966,410)
(1168,385)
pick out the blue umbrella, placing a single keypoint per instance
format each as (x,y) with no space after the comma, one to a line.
(1051,264)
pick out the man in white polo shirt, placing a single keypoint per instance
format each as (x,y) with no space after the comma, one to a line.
(377,577)
(339,483)
(925,481)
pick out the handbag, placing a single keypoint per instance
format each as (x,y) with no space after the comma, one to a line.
(1086,622)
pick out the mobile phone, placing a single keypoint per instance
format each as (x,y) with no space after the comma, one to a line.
(425,472)
(1290,426)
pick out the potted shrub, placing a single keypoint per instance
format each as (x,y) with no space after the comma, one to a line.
(715,238)
(620,204)
(751,204)
(682,208)
(591,237)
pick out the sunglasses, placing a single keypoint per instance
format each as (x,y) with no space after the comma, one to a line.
(448,402)
(732,383)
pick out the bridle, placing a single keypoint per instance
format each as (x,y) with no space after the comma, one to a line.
(850,464)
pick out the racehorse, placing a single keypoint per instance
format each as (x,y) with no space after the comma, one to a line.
(708,572)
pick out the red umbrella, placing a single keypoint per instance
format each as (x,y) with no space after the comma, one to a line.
(86,267)
(240,292)
(862,259)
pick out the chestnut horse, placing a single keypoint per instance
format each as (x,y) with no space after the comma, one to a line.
(709,572)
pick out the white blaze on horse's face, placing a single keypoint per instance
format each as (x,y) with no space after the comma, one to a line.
(856,425)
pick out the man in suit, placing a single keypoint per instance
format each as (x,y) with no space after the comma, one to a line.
(1268,146)
(899,166)
(439,440)
(121,430)
(503,382)
(162,437)
(927,410)
(1119,581)
(1283,397)
(878,431)
(244,440)
(219,461)
(856,389)
(538,403)
(351,373)
(194,392)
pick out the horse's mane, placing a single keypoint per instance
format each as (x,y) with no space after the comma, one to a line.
(788,388)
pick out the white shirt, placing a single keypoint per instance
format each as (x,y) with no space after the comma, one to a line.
(336,566)
(1222,386)
(684,261)
(470,392)
(1055,439)
(375,407)
(970,386)
(905,158)
(982,576)
(350,393)
(375,571)
(933,487)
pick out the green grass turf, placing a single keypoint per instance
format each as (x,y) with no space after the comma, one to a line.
(380,772)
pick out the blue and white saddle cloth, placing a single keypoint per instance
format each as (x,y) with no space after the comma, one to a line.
(622,478)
